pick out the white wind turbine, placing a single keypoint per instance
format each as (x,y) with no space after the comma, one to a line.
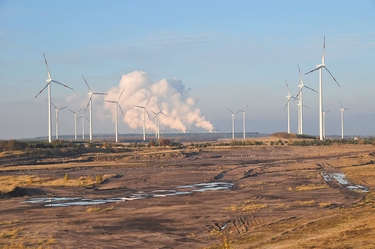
(157,120)
(90,93)
(342,109)
(144,117)
(288,97)
(324,123)
(57,119)
(300,100)
(75,121)
(232,114)
(244,120)
(83,117)
(116,116)
(319,67)
(49,81)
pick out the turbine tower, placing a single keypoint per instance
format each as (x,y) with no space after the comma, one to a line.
(116,116)
(144,117)
(91,93)
(342,109)
(49,81)
(300,100)
(324,123)
(244,120)
(75,121)
(232,114)
(288,97)
(319,67)
(57,119)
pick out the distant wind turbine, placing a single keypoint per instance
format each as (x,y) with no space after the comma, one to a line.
(75,122)
(324,123)
(117,105)
(288,97)
(49,81)
(157,120)
(83,117)
(299,97)
(91,93)
(232,114)
(144,117)
(244,120)
(57,119)
(319,67)
(342,109)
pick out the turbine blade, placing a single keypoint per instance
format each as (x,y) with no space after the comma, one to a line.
(312,70)
(79,110)
(121,110)
(99,93)
(139,106)
(341,104)
(300,75)
(286,104)
(62,84)
(87,106)
(120,95)
(63,107)
(310,88)
(110,101)
(298,93)
(246,106)
(230,110)
(324,48)
(41,90)
(72,112)
(148,101)
(87,84)
(332,76)
(53,105)
(48,72)
(147,114)
(287,87)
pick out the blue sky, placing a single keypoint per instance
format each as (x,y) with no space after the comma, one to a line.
(225,54)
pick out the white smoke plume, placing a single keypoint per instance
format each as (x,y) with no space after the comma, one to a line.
(180,110)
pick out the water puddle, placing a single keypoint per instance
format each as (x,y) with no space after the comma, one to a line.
(180,190)
(341,178)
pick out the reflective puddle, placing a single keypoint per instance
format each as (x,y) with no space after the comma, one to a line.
(341,178)
(180,190)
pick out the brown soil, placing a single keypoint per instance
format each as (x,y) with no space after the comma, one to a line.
(261,210)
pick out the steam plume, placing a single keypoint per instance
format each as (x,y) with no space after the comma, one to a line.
(180,110)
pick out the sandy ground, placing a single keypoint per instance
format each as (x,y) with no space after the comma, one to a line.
(261,193)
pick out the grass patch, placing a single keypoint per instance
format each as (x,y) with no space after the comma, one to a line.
(9,183)
(303,203)
(247,206)
(98,209)
(10,234)
(308,187)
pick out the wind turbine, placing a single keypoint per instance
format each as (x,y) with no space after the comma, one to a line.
(300,104)
(57,119)
(157,120)
(116,116)
(244,120)
(90,93)
(288,97)
(342,109)
(232,114)
(83,122)
(324,123)
(75,122)
(319,67)
(49,81)
(144,117)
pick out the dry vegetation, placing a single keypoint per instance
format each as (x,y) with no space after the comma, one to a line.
(279,200)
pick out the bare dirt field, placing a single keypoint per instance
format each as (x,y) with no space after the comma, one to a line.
(220,197)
